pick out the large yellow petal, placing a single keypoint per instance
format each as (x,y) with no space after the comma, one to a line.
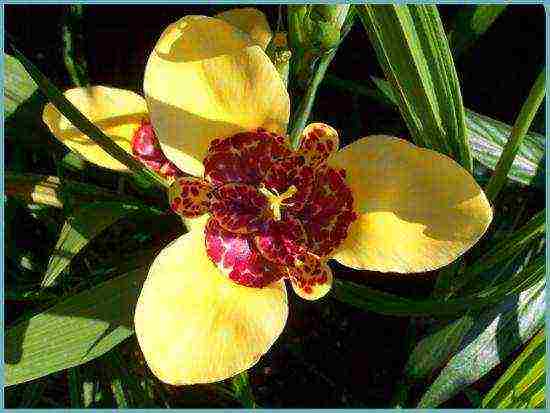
(251,21)
(419,210)
(116,112)
(194,325)
(204,80)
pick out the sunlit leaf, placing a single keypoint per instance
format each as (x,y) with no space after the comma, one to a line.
(18,85)
(410,43)
(83,225)
(77,330)
(495,334)
(523,384)
(434,350)
(487,138)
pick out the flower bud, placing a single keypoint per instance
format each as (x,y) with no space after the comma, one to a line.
(316,27)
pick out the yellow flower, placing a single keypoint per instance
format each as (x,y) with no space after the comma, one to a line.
(207,82)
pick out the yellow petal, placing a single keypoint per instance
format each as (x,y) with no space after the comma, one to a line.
(206,80)
(194,325)
(418,210)
(251,21)
(116,112)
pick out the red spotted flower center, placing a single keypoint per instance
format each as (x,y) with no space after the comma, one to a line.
(275,212)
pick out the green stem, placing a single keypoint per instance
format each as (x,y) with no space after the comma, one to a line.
(68,110)
(303,110)
(73,45)
(521,126)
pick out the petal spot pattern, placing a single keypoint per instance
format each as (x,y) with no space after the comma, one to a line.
(274,212)
(190,197)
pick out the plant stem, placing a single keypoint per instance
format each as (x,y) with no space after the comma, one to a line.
(521,126)
(303,110)
(73,45)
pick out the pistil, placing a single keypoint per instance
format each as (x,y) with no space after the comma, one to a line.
(275,200)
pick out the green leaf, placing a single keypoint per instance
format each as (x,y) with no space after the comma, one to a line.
(75,385)
(522,385)
(127,389)
(370,299)
(495,335)
(435,349)
(83,225)
(487,138)
(504,250)
(49,190)
(521,126)
(412,49)
(67,109)
(470,23)
(77,330)
(74,162)
(19,86)
(242,390)
(32,394)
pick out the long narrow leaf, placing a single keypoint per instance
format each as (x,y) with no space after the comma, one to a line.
(243,391)
(521,126)
(523,383)
(73,332)
(411,46)
(18,85)
(370,299)
(487,138)
(495,335)
(434,350)
(79,229)
(470,23)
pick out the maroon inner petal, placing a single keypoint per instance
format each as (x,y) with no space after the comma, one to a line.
(236,256)
(282,241)
(329,212)
(244,158)
(238,207)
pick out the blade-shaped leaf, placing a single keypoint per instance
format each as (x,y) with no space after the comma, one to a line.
(435,349)
(83,225)
(75,385)
(412,49)
(495,335)
(18,85)
(243,391)
(77,330)
(519,130)
(370,299)
(522,385)
(470,23)
(487,138)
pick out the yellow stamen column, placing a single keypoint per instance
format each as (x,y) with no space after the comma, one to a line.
(275,200)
